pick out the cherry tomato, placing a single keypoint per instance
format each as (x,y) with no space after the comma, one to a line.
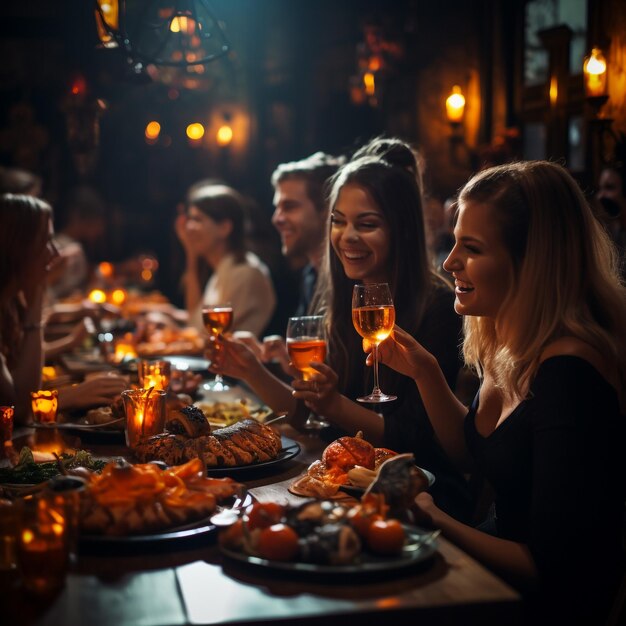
(278,543)
(264,514)
(386,536)
(233,536)
(361,519)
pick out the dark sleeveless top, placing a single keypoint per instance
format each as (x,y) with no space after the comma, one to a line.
(556,467)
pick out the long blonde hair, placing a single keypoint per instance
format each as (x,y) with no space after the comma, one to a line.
(566,281)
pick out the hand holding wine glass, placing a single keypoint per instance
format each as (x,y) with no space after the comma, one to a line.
(306,342)
(217,319)
(373,316)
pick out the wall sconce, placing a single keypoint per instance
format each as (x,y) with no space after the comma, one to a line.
(594,71)
(224,133)
(602,139)
(455,105)
(455,110)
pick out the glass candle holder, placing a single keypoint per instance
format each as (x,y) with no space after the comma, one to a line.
(145,414)
(6,425)
(154,374)
(64,492)
(44,405)
(42,544)
(9,524)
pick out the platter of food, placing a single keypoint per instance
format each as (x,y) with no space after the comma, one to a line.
(222,414)
(420,547)
(350,466)
(246,444)
(30,474)
(289,450)
(142,504)
(326,538)
(173,537)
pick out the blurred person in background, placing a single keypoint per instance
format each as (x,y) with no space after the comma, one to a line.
(612,197)
(27,253)
(213,230)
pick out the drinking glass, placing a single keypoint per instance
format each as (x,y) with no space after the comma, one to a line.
(154,374)
(306,342)
(145,413)
(217,319)
(373,316)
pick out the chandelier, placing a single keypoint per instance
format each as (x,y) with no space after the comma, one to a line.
(163,33)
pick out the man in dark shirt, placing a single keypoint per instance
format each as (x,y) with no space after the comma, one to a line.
(300,215)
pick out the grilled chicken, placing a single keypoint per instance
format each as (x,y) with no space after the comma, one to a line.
(243,443)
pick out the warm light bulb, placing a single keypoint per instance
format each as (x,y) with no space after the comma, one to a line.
(594,70)
(153,129)
(455,105)
(195,131)
(98,296)
(224,135)
(369,82)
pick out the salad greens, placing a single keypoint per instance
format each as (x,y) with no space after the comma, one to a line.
(27,472)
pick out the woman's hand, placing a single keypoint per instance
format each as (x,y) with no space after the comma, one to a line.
(424,510)
(401,352)
(180,226)
(321,393)
(275,349)
(100,390)
(232,358)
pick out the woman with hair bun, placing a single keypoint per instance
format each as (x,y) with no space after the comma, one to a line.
(376,234)
(545,327)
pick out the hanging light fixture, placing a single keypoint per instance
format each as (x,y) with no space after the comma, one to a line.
(594,72)
(170,33)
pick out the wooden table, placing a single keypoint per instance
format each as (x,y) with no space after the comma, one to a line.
(192,584)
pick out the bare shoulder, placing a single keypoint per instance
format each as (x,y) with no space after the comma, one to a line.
(573,346)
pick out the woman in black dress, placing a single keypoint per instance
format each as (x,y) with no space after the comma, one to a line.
(545,327)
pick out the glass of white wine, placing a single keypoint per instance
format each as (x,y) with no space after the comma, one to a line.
(217,320)
(373,316)
(306,342)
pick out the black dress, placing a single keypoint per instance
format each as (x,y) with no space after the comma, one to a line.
(556,467)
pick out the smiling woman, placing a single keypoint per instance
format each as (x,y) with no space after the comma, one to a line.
(213,231)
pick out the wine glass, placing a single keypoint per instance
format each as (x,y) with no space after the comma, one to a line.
(217,319)
(373,316)
(306,342)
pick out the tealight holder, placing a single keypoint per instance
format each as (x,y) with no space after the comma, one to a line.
(42,544)
(145,413)
(6,425)
(44,405)
(154,374)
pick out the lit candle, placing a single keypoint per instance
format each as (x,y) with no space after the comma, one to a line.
(594,69)
(44,405)
(154,374)
(145,413)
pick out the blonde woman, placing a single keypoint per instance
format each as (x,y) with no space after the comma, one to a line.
(545,327)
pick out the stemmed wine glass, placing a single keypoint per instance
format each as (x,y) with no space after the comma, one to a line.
(306,342)
(373,316)
(217,319)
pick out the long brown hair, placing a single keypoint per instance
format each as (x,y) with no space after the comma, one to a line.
(24,231)
(393,188)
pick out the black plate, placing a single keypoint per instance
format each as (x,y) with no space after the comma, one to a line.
(176,537)
(289,450)
(86,432)
(416,551)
